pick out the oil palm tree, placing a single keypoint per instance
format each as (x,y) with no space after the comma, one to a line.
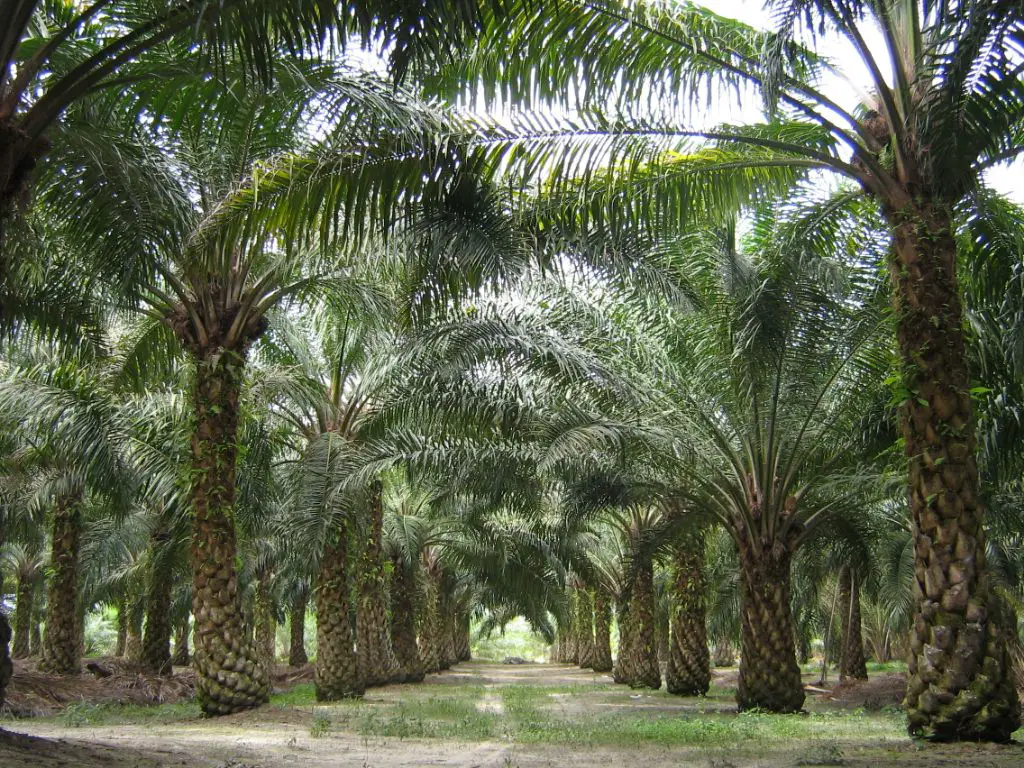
(942,105)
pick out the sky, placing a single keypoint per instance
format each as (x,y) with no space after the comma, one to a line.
(1007,179)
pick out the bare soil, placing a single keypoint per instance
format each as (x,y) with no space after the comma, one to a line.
(275,737)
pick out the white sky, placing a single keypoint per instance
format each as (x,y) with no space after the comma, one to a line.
(1007,179)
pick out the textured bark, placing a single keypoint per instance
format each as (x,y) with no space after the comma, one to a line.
(23,617)
(6,666)
(602,659)
(337,674)
(769,674)
(156,642)
(61,647)
(122,627)
(297,632)
(35,635)
(133,640)
(403,620)
(584,629)
(960,682)
(622,621)
(689,664)
(180,657)
(640,656)
(266,626)
(725,654)
(446,650)
(852,663)
(433,626)
(373,631)
(570,646)
(230,678)
(463,649)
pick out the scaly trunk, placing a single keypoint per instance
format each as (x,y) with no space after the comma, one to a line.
(769,674)
(602,633)
(6,665)
(640,662)
(446,651)
(337,673)
(570,646)
(403,620)
(689,664)
(122,627)
(297,632)
(266,626)
(433,625)
(373,632)
(960,681)
(35,636)
(584,629)
(133,641)
(180,657)
(23,617)
(725,654)
(463,650)
(852,663)
(156,642)
(230,678)
(623,653)
(61,647)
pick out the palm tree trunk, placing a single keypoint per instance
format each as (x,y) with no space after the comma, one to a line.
(446,650)
(61,650)
(336,674)
(725,653)
(180,657)
(297,631)
(689,663)
(463,649)
(769,674)
(35,635)
(373,632)
(641,668)
(602,660)
(584,629)
(960,681)
(122,627)
(6,665)
(403,620)
(852,663)
(623,653)
(266,626)
(23,617)
(433,625)
(133,642)
(570,646)
(230,677)
(156,642)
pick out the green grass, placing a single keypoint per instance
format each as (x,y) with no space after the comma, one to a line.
(83,713)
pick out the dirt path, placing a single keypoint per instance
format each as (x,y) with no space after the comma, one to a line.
(282,736)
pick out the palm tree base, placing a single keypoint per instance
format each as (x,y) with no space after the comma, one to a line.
(6,666)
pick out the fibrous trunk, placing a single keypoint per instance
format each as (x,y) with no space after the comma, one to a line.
(133,641)
(769,674)
(960,682)
(6,666)
(570,645)
(689,664)
(337,674)
(621,654)
(446,651)
(602,658)
(266,625)
(433,624)
(584,615)
(180,657)
(35,635)
(463,650)
(230,679)
(23,617)
(725,653)
(122,627)
(373,632)
(61,646)
(852,663)
(156,642)
(297,632)
(403,620)
(640,656)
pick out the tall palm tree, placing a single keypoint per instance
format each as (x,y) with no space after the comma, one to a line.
(942,105)
(689,664)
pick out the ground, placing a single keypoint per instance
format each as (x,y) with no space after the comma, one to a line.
(479,714)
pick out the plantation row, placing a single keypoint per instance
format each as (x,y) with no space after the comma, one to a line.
(294,320)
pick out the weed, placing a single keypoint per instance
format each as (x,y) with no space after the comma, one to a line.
(320,727)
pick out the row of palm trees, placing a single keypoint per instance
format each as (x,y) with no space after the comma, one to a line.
(701,380)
